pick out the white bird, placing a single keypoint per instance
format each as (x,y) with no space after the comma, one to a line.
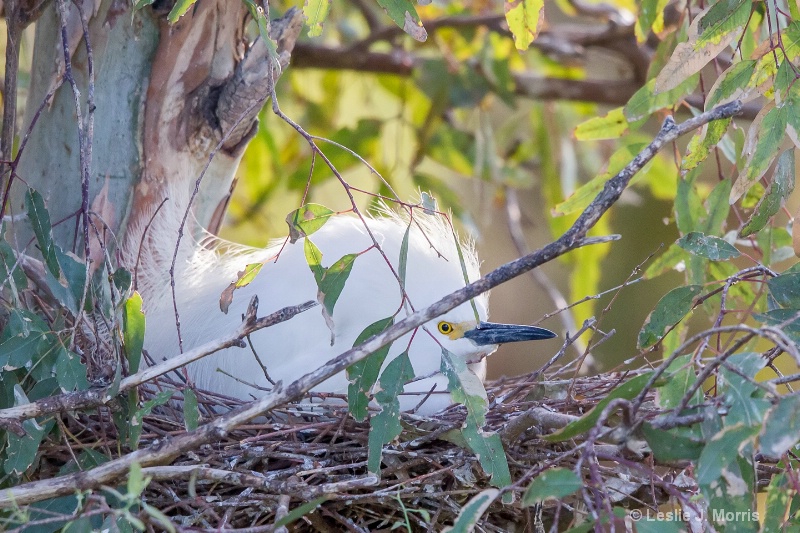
(293,348)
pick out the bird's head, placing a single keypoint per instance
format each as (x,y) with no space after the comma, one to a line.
(473,339)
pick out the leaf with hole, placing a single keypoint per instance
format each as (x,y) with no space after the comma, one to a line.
(307,220)
(708,246)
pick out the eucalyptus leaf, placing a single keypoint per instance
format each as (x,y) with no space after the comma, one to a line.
(364,373)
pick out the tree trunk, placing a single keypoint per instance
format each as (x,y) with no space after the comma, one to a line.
(161,93)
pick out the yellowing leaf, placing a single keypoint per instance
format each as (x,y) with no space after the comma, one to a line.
(524,18)
(691,56)
(733,84)
(316,11)
(403,14)
(763,144)
(611,126)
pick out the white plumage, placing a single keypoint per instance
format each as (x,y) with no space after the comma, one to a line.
(293,348)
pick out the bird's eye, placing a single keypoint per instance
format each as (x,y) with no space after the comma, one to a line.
(445,327)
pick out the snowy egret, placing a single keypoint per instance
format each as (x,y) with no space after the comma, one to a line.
(293,348)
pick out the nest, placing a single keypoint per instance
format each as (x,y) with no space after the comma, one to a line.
(256,474)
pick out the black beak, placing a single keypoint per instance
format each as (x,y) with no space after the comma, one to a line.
(490,333)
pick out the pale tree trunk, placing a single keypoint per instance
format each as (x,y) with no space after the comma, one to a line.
(162,94)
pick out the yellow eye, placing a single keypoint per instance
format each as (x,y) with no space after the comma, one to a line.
(445,327)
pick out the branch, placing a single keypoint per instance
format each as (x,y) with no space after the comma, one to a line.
(165,450)
(244,94)
(87,399)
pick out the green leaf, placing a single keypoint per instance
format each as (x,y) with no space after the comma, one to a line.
(781,430)
(666,261)
(718,208)
(364,373)
(724,18)
(651,16)
(17,351)
(87,460)
(628,390)
(428,203)
(780,497)
(688,207)
(191,411)
(316,11)
(681,378)
(68,288)
(671,445)
(10,271)
(385,426)
(403,14)
(612,125)
(334,279)
(554,483)
(300,511)
(708,246)
(21,451)
(314,260)
(39,219)
(779,190)
(722,451)
(584,195)
(645,101)
(703,141)
(133,325)
(71,373)
(122,279)
(785,289)
(306,220)
(135,428)
(403,264)
(179,9)
(472,512)
(524,19)
(467,389)
(250,272)
(243,278)
(670,310)
(449,197)
(743,398)
(136,481)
